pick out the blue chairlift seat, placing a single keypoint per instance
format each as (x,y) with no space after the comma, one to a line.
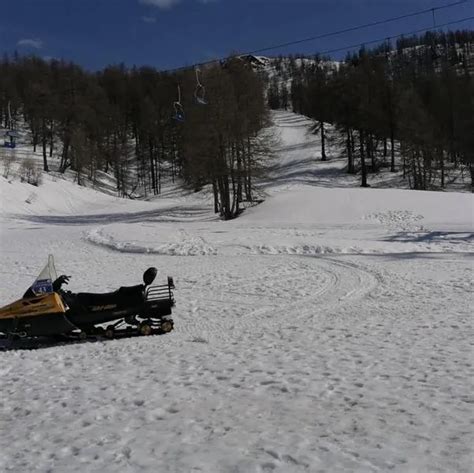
(179,112)
(11,136)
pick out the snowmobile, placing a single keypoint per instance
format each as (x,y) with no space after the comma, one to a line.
(47,310)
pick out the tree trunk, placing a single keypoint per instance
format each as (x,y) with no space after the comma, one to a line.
(471,171)
(392,150)
(248,172)
(65,154)
(443,177)
(35,141)
(216,196)
(362,159)
(51,140)
(350,152)
(152,165)
(371,151)
(323,141)
(404,163)
(44,138)
(239,177)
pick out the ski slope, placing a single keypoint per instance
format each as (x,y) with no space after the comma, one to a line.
(328,329)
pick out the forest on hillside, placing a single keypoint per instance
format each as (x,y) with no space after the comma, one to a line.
(414,99)
(410,104)
(138,123)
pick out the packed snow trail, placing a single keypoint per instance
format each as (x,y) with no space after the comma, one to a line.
(324,330)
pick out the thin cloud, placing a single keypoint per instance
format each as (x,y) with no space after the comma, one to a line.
(163,4)
(30,43)
(168,4)
(148,19)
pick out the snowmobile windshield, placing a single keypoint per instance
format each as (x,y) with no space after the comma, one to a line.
(44,282)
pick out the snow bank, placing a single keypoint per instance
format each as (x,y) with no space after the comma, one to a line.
(55,195)
(344,206)
(185,247)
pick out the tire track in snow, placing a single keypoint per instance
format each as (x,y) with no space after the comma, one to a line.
(283,291)
(329,283)
(294,292)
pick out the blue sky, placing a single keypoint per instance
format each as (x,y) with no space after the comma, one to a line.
(173,33)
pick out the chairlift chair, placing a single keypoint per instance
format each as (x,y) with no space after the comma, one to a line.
(10,141)
(179,115)
(179,112)
(200,91)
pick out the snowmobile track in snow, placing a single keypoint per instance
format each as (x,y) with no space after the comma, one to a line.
(285,302)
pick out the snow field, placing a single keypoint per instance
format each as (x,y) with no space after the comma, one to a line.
(302,364)
(326,330)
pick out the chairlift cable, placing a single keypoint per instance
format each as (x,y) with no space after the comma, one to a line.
(388,38)
(179,108)
(326,35)
(355,28)
(379,40)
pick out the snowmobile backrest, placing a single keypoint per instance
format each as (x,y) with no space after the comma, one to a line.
(149,276)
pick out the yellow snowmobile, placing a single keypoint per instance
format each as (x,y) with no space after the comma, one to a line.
(47,310)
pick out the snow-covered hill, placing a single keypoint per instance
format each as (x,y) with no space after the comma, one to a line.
(328,329)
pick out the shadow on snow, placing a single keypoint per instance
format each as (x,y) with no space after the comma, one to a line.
(169,214)
(431,237)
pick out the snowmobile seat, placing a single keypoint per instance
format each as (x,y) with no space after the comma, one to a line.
(132,295)
(125,296)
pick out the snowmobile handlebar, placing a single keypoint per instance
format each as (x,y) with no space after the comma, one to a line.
(63,279)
